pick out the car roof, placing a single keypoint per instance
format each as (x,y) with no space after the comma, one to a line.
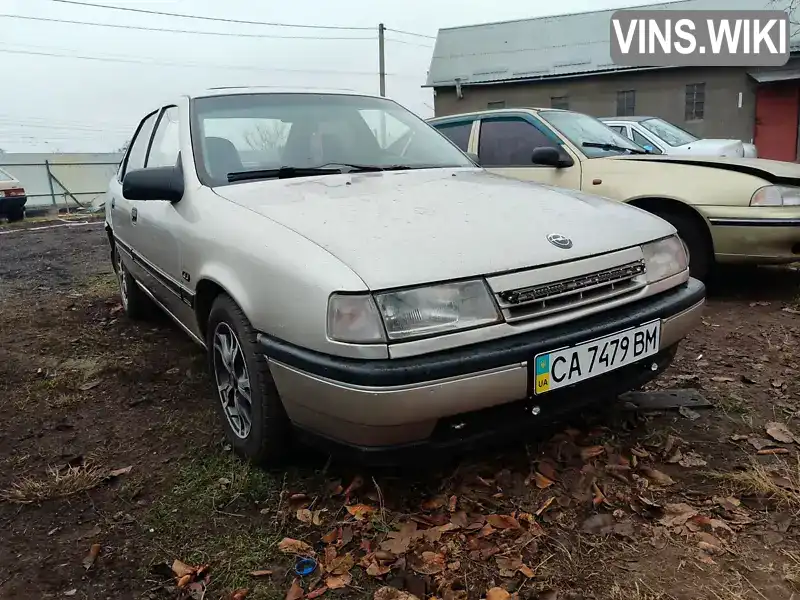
(245,90)
(497,111)
(633,119)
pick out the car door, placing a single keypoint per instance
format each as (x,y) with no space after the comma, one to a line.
(157,242)
(646,141)
(124,213)
(458,132)
(505,146)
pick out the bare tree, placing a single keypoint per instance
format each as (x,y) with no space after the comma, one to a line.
(267,136)
(124,148)
(790,6)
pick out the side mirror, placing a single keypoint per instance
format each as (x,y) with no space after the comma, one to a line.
(475,158)
(551,157)
(158,183)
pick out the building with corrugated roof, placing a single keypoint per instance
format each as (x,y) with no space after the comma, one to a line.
(565,62)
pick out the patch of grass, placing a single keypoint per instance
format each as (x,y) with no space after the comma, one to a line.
(733,404)
(100,286)
(780,483)
(209,517)
(57,483)
(637,591)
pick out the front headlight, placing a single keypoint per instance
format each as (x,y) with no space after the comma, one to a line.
(664,258)
(436,309)
(776,195)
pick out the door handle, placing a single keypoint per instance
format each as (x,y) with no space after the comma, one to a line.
(134,214)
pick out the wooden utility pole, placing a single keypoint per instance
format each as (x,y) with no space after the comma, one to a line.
(381,59)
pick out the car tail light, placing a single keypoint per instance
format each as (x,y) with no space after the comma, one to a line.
(12,192)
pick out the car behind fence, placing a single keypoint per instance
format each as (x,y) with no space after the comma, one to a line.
(62,181)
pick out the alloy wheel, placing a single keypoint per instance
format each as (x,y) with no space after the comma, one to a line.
(233,380)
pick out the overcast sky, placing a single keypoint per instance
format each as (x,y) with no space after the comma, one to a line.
(65,103)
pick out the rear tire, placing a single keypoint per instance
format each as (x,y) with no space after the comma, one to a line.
(696,238)
(255,421)
(135,302)
(17,214)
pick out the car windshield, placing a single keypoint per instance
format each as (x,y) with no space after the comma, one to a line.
(593,137)
(259,136)
(671,134)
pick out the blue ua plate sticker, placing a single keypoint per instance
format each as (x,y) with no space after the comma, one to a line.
(542,373)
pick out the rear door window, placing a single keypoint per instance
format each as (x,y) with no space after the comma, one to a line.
(458,133)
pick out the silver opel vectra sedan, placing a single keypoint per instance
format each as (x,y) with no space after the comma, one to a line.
(358,279)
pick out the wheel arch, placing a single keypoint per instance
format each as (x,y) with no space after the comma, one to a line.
(208,288)
(662,204)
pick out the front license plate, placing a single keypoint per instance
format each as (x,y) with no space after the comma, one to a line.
(568,366)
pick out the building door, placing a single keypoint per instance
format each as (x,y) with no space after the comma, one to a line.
(776,121)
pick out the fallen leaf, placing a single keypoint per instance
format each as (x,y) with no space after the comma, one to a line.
(592,452)
(90,559)
(429,563)
(332,535)
(526,571)
(657,476)
(305,516)
(692,459)
(677,514)
(397,542)
(503,522)
(261,573)
(777,384)
(336,582)
(497,593)
(376,570)
(360,511)
(184,581)
(779,432)
(390,593)
(71,592)
(92,384)
(316,593)
(459,519)
(433,503)
(118,472)
(508,565)
(291,546)
(181,569)
(773,451)
(542,482)
(240,594)
(545,506)
(722,379)
(451,505)
(340,565)
(454,566)
(760,443)
(357,482)
(295,591)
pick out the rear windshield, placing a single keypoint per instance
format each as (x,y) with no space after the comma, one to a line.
(5,176)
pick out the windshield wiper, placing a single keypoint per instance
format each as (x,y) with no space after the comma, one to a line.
(327,169)
(607,146)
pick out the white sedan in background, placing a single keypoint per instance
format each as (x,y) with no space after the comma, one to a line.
(662,137)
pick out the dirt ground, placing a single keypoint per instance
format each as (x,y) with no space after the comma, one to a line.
(112,467)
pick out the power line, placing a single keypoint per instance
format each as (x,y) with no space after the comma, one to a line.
(395,40)
(203,18)
(157,62)
(422,35)
(189,31)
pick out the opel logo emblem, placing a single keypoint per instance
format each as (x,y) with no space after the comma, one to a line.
(560,241)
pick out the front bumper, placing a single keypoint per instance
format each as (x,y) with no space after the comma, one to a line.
(743,239)
(379,405)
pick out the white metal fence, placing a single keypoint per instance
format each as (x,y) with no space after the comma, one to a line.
(62,181)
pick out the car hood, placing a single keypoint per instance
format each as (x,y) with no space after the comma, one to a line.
(773,171)
(410,227)
(727,148)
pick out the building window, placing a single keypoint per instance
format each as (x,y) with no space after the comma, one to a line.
(695,101)
(498,104)
(626,103)
(561,102)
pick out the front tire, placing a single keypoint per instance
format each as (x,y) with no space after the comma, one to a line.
(255,421)
(697,241)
